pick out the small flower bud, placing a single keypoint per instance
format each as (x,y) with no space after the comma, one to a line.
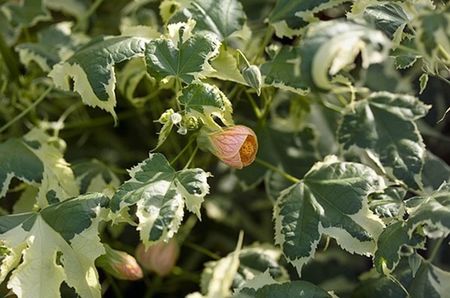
(236,145)
(182,130)
(165,116)
(252,76)
(119,264)
(191,122)
(176,118)
(159,258)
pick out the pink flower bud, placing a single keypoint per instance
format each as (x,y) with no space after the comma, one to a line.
(119,264)
(236,145)
(159,258)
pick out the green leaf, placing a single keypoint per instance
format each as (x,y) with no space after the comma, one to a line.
(283,71)
(184,57)
(92,69)
(34,159)
(256,260)
(60,242)
(74,8)
(217,276)
(423,80)
(160,193)
(289,16)
(222,18)
(406,54)
(331,200)
(384,125)
(390,18)
(428,282)
(206,101)
(27,13)
(297,288)
(390,244)
(95,176)
(331,46)
(389,205)
(433,37)
(225,67)
(55,43)
(130,80)
(435,171)
(432,211)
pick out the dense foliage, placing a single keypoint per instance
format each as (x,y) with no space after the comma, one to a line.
(273,148)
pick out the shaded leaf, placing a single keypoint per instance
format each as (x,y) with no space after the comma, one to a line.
(384,125)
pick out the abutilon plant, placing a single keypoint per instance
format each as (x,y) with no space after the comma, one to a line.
(234,148)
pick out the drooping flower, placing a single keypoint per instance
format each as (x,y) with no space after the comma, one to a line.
(119,264)
(236,145)
(159,258)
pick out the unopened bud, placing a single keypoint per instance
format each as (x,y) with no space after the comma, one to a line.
(165,116)
(252,76)
(176,118)
(236,146)
(159,258)
(191,122)
(119,264)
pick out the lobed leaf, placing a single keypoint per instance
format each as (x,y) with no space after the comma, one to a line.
(223,18)
(92,69)
(433,37)
(27,13)
(60,241)
(284,71)
(34,160)
(184,58)
(384,125)
(55,44)
(160,193)
(331,200)
(288,17)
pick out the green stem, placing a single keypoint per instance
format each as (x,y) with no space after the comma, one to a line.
(275,169)
(202,250)
(191,140)
(9,59)
(245,58)
(191,158)
(256,109)
(153,287)
(82,20)
(114,286)
(435,250)
(267,38)
(29,108)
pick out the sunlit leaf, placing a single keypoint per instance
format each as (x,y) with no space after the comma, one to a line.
(332,200)
(181,58)
(60,241)
(92,69)
(160,194)
(35,160)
